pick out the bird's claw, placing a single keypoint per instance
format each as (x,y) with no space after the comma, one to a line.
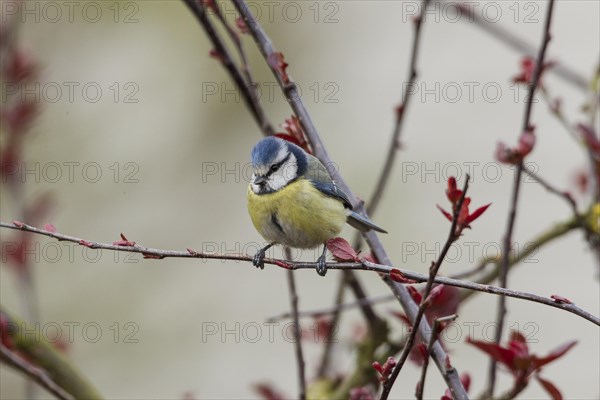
(259,259)
(321,266)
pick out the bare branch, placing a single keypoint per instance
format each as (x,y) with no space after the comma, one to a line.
(437,327)
(335,319)
(295,101)
(34,373)
(433,271)
(504,265)
(364,265)
(546,185)
(298,339)
(40,354)
(521,45)
(334,309)
(400,114)
(247,89)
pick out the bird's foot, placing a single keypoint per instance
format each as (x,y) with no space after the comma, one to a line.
(321,265)
(259,259)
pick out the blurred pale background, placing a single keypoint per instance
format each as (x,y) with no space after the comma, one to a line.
(349,59)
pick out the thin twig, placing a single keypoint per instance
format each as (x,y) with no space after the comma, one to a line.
(295,101)
(235,37)
(394,145)
(478,268)
(373,320)
(504,264)
(433,271)
(519,44)
(335,320)
(35,373)
(298,340)
(434,335)
(554,232)
(334,309)
(400,114)
(151,253)
(246,88)
(548,186)
(27,341)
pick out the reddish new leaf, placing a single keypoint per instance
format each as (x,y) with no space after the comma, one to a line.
(210,4)
(465,379)
(446,213)
(277,62)
(124,242)
(341,250)
(550,388)
(370,258)
(361,393)
(477,213)
(378,367)
(452,192)
(241,24)
(267,392)
(414,293)
(288,138)
(401,317)
(590,138)
(498,353)
(216,55)
(526,73)
(560,299)
(86,243)
(463,214)
(526,142)
(399,277)
(386,369)
(556,353)
(18,224)
(516,336)
(448,365)
(293,127)
(50,228)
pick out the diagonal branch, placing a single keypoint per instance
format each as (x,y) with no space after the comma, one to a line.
(247,89)
(519,44)
(32,345)
(291,93)
(438,325)
(550,188)
(395,144)
(36,374)
(433,271)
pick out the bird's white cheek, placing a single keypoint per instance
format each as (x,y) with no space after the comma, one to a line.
(277,181)
(289,171)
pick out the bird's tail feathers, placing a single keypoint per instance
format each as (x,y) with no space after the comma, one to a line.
(362,224)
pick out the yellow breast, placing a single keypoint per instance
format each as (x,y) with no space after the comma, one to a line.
(297,215)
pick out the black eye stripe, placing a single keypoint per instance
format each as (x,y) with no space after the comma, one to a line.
(275,167)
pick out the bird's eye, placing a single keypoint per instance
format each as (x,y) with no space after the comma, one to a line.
(274,168)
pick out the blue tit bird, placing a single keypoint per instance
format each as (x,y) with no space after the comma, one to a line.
(293,201)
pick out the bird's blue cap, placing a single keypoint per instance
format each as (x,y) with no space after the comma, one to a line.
(265,150)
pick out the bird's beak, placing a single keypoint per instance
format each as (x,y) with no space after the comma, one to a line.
(260,180)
